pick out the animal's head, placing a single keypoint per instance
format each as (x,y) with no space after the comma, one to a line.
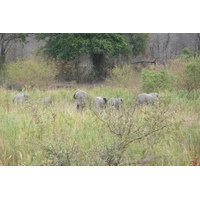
(75,94)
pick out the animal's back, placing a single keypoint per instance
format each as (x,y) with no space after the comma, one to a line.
(115,102)
(99,102)
(21,97)
(81,97)
(80,94)
(144,98)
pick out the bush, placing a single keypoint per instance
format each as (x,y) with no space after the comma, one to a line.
(30,72)
(192,75)
(187,71)
(128,129)
(187,54)
(156,80)
(193,95)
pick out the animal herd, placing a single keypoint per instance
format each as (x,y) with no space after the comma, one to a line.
(99,102)
(82,97)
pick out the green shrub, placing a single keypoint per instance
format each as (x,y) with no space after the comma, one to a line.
(192,75)
(187,71)
(30,72)
(193,95)
(187,54)
(156,80)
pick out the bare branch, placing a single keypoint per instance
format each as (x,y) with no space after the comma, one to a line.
(135,139)
(106,124)
(8,49)
(144,61)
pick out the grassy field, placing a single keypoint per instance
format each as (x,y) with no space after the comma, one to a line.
(33,134)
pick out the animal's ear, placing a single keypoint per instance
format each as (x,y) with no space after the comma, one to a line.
(121,100)
(104,98)
(75,94)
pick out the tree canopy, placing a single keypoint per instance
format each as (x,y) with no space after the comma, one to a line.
(70,46)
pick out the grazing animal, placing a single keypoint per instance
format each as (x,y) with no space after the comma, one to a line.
(46,100)
(115,102)
(21,97)
(99,102)
(81,97)
(146,99)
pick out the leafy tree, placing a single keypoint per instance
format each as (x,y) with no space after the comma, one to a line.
(99,46)
(137,42)
(6,41)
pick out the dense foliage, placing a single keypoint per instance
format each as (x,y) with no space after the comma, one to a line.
(70,46)
(166,133)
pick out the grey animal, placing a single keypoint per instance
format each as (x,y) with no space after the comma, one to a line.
(46,100)
(115,102)
(145,99)
(81,98)
(21,97)
(99,102)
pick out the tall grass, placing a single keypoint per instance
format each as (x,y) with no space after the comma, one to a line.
(32,134)
(164,134)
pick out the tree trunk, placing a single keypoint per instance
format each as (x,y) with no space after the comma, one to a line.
(98,62)
(77,62)
(2,59)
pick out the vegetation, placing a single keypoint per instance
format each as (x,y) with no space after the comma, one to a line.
(187,53)
(98,46)
(187,70)
(164,134)
(123,77)
(192,75)
(6,41)
(156,80)
(30,72)
(33,134)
